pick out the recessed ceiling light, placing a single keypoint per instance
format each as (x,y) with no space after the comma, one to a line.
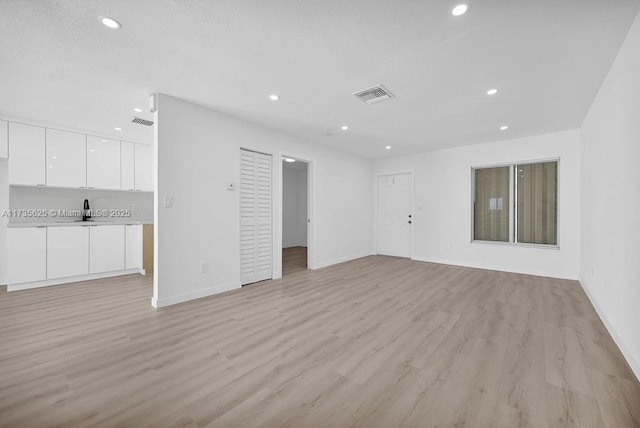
(344,127)
(137,109)
(388,147)
(117,129)
(104,141)
(289,160)
(492,91)
(504,127)
(110,23)
(92,150)
(54,157)
(459,10)
(274,97)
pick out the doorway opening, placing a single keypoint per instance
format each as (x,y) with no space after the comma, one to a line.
(395,215)
(295,216)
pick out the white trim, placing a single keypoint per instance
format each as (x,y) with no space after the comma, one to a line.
(524,162)
(71,279)
(495,268)
(516,244)
(626,353)
(197,294)
(332,262)
(375,208)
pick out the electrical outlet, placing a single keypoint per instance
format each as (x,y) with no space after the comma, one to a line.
(168,202)
(204,267)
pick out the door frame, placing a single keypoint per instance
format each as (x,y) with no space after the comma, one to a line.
(375,206)
(310,209)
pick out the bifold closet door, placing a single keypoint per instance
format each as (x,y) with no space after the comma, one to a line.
(255,217)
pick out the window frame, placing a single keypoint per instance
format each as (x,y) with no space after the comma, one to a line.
(513,206)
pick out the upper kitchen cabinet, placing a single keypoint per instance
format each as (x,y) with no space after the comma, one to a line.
(4,139)
(66,159)
(103,163)
(127,166)
(26,154)
(143,173)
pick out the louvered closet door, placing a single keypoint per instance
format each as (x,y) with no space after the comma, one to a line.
(255,217)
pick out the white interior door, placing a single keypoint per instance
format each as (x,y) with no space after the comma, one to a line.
(255,217)
(395,217)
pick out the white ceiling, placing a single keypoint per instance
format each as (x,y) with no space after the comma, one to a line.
(547,57)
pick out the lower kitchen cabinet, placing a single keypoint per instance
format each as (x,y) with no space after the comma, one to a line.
(133,246)
(106,252)
(27,254)
(67,251)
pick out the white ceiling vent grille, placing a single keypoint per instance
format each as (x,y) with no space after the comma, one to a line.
(373,95)
(141,121)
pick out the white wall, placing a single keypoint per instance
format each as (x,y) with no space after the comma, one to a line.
(4,205)
(443,208)
(294,206)
(610,267)
(197,154)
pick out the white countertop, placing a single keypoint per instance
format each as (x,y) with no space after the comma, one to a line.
(66,223)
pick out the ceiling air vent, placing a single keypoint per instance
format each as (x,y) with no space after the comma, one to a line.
(141,121)
(373,95)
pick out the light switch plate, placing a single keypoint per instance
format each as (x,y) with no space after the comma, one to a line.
(168,202)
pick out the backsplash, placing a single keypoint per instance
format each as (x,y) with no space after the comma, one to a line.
(47,199)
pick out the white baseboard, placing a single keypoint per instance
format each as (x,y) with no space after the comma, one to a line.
(326,263)
(496,268)
(68,280)
(197,294)
(633,363)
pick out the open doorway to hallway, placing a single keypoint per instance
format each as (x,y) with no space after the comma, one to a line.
(295,202)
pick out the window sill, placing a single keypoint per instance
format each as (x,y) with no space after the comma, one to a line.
(517,245)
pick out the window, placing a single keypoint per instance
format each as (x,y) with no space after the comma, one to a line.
(516,203)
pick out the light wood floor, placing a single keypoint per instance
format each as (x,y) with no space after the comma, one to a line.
(377,342)
(294,259)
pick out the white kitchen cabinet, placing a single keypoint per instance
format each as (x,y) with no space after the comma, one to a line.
(26,254)
(26,154)
(133,246)
(103,163)
(143,164)
(66,159)
(106,248)
(127,166)
(4,139)
(67,251)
